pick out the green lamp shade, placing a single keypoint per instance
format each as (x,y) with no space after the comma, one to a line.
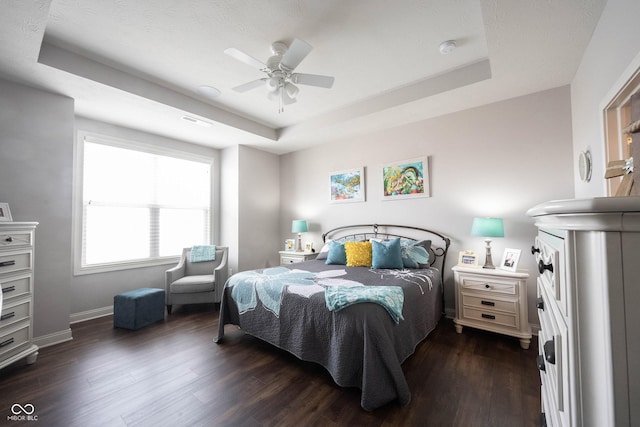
(487,227)
(299,226)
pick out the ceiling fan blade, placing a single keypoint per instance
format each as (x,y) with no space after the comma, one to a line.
(250,85)
(243,57)
(298,50)
(313,80)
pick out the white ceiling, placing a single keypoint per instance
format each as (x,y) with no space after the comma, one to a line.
(139,63)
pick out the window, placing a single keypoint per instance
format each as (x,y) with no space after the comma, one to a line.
(138,205)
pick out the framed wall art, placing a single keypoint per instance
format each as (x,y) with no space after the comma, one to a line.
(405,179)
(347,186)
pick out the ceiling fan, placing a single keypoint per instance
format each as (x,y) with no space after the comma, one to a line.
(281,81)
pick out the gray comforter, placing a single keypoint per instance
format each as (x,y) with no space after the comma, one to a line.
(360,345)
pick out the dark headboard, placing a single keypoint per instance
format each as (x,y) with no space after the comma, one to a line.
(439,243)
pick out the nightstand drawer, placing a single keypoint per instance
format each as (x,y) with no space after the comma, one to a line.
(491,317)
(290,259)
(489,286)
(482,303)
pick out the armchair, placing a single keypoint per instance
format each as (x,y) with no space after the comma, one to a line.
(196,282)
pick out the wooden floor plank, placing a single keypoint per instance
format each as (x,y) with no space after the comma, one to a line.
(171,373)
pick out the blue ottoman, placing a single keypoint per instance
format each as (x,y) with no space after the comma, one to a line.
(138,308)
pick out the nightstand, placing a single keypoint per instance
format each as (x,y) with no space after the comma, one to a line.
(494,300)
(288,257)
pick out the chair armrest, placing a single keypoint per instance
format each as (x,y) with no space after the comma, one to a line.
(221,272)
(175,273)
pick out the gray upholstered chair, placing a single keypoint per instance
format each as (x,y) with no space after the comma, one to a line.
(196,282)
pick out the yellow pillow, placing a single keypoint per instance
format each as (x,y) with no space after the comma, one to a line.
(358,254)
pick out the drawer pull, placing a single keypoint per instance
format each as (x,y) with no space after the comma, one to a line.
(9,239)
(7,263)
(540,363)
(489,303)
(540,304)
(534,250)
(7,316)
(542,267)
(8,289)
(6,343)
(486,285)
(550,351)
(488,316)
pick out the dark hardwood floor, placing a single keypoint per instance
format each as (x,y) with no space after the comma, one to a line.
(172,374)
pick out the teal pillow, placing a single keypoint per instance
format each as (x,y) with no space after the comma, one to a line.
(337,254)
(386,254)
(416,254)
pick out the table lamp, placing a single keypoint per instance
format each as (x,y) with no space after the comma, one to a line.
(299,226)
(487,227)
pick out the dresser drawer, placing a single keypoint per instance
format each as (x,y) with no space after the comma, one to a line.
(550,263)
(15,287)
(487,303)
(15,261)
(16,238)
(491,317)
(14,312)
(489,286)
(14,339)
(554,353)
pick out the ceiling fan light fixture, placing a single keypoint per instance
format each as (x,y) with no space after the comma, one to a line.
(273,83)
(292,90)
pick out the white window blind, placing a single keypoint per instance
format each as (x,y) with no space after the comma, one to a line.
(141,206)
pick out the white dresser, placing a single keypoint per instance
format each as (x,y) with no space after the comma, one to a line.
(588,256)
(16,278)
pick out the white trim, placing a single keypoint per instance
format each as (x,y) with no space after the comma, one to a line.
(91,314)
(124,265)
(53,339)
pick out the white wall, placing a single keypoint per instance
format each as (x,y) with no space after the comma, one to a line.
(495,160)
(613,47)
(36,155)
(259,209)
(250,207)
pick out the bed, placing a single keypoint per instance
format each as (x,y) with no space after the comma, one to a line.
(359,322)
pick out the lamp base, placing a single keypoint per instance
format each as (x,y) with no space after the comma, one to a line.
(299,243)
(488,262)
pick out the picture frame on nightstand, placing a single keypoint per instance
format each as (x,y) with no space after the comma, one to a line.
(289,245)
(468,259)
(510,259)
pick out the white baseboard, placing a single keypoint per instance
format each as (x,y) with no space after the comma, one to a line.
(53,339)
(90,314)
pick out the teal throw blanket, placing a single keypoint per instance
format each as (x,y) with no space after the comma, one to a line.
(268,286)
(203,253)
(390,297)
